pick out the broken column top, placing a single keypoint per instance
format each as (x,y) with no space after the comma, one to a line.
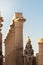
(19,17)
(40,40)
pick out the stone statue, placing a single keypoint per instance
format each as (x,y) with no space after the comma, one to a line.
(28,53)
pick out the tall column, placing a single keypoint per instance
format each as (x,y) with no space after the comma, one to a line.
(18,21)
(40,60)
(1,59)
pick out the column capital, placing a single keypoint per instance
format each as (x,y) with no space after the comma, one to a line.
(40,40)
(19,17)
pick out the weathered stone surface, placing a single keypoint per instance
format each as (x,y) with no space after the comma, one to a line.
(1,57)
(14,42)
(40,59)
(19,57)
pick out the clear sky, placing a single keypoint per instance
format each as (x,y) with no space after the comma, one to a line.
(33,12)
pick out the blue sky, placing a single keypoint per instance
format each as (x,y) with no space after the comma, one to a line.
(33,12)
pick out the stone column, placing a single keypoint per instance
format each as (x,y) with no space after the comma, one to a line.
(40,42)
(14,42)
(19,20)
(1,57)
